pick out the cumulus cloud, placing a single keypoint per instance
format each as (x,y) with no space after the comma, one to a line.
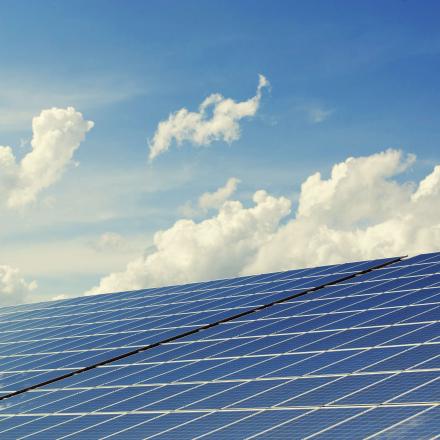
(57,133)
(14,289)
(212,248)
(211,200)
(217,119)
(217,198)
(359,190)
(429,186)
(361,211)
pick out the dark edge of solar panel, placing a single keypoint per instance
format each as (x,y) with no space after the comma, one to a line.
(204,327)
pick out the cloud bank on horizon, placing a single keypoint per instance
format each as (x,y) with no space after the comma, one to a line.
(14,288)
(360,212)
(200,129)
(56,135)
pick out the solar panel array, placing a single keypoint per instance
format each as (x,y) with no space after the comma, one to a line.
(345,351)
(42,341)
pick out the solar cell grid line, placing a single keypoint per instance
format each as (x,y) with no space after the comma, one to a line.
(349,301)
(235,422)
(364,264)
(92,313)
(355,431)
(406,344)
(370,288)
(329,432)
(424,258)
(288,422)
(159,299)
(294,418)
(266,324)
(350,292)
(328,320)
(353,304)
(389,274)
(314,272)
(383,282)
(421,428)
(308,422)
(401,421)
(407,270)
(182,306)
(148,298)
(27,320)
(159,317)
(377,378)
(171,290)
(161,290)
(97,425)
(284,339)
(281,367)
(356,414)
(256,433)
(168,429)
(112,435)
(231,423)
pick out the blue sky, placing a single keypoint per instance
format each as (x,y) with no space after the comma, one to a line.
(347,79)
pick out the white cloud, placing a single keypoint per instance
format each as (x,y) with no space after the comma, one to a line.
(358,190)
(212,248)
(217,198)
(360,212)
(57,133)
(13,288)
(211,200)
(429,186)
(217,119)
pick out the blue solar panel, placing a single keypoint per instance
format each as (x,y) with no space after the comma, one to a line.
(43,341)
(355,357)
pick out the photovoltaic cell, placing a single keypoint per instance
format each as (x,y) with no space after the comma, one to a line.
(43,341)
(357,358)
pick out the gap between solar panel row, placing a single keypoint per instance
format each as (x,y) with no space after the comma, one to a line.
(203,327)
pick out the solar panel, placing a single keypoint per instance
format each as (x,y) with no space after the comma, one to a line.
(330,352)
(43,341)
